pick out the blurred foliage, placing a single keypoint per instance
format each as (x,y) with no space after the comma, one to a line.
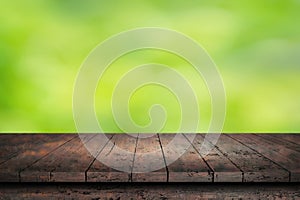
(255,44)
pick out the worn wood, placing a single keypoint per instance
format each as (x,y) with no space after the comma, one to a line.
(9,171)
(59,165)
(237,157)
(162,191)
(280,139)
(112,160)
(77,163)
(149,156)
(294,138)
(255,167)
(190,167)
(224,170)
(67,164)
(12,145)
(285,157)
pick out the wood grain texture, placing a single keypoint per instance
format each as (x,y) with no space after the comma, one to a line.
(287,158)
(255,167)
(281,139)
(64,158)
(58,166)
(148,156)
(9,171)
(294,138)
(224,170)
(67,164)
(112,160)
(12,145)
(161,191)
(189,167)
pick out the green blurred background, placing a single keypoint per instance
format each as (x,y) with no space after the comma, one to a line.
(255,44)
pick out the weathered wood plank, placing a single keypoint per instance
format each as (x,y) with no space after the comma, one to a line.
(64,164)
(162,191)
(9,171)
(112,159)
(64,158)
(294,138)
(224,170)
(189,167)
(279,139)
(74,168)
(149,156)
(12,145)
(255,167)
(287,158)
(41,170)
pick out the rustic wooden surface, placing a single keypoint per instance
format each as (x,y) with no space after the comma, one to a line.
(280,154)
(64,158)
(224,169)
(190,167)
(99,172)
(148,145)
(161,191)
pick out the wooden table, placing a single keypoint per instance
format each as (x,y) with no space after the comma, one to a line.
(235,158)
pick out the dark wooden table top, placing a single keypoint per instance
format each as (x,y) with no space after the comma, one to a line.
(235,158)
